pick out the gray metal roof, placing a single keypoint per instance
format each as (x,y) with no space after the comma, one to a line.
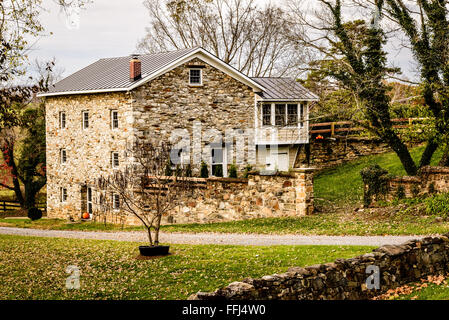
(113,73)
(284,89)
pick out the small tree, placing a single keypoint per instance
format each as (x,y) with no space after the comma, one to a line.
(142,189)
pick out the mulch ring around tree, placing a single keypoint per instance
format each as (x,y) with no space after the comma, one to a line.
(140,257)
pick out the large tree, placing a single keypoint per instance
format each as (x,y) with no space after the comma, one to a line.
(257,41)
(19,25)
(425,24)
(359,65)
(23,150)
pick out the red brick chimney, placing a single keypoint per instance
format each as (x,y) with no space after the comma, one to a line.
(135,68)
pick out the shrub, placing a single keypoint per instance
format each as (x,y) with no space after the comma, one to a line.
(438,205)
(34,214)
(218,171)
(375,178)
(432,189)
(400,193)
(204,173)
(188,172)
(233,171)
(168,169)
(248,169)
(415,191)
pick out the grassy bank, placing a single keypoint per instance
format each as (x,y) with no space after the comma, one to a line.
(34,268)
(342,186)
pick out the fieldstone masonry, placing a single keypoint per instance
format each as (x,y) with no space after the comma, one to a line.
(429,180)
(156,110)
(259,196)
(345,278)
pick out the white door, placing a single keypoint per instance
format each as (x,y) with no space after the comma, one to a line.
(277,161)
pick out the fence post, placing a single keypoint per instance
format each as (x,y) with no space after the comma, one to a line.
(332,129)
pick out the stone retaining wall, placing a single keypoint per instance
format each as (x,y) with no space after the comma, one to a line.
(259,196)
(345,278)
(428,180)
(331,152)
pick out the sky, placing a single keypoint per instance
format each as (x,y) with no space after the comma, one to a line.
(111,28)
(106,28)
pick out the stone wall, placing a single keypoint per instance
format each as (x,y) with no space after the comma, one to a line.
(429,180)
(331,152)
(88,150)
(345,278)
(259,196)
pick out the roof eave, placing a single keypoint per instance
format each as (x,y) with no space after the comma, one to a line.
(65,93)
(289,99)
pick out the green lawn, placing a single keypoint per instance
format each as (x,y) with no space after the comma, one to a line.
(34,268)
(342,185)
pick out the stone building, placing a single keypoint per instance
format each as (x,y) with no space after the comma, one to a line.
(188,95)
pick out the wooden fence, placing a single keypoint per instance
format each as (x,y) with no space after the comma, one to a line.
(348,127)
(6,206)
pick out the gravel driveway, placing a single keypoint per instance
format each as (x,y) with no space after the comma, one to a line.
(217,238)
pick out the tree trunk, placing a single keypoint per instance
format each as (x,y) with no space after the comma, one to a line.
(150,238)
(402,152)
(444,162)
(156,230)
(426,157)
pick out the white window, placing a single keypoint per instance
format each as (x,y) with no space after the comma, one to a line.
(114,119)
(302,113)
(266,114)
(292,114)
(63,194)
(195,77)
(218,162)
(284,115)
(89,201)
(115,159)
(62,120)
(279,115)
(85,119)
(115,201)
(63,156)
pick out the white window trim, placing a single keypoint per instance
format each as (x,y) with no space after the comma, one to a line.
(224,163)
(83,120)
(61,194)
(61,157)
(60,120)
(91,201)
(112,119)
(301,107)
(201,77)
(113,202)
(114,166)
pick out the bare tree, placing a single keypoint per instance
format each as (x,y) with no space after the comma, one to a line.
(258,42)
(142,189)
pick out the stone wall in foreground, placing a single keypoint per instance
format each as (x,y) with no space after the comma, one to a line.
(345,278)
